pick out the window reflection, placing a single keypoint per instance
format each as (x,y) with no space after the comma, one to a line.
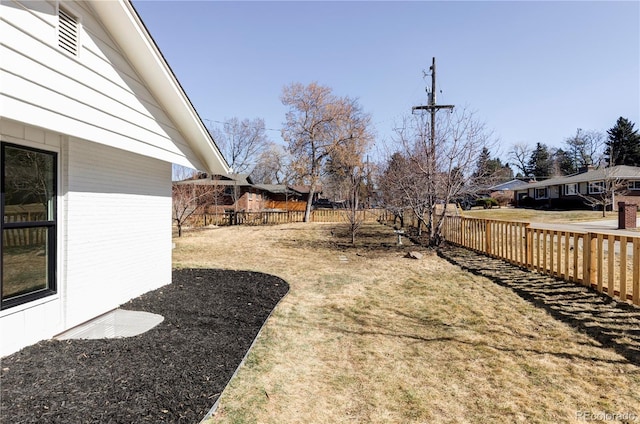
(29,185)
(24,261)
(28,225)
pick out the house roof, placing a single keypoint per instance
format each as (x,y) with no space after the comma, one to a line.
(243,180)
(304,189)
(238,180)
(127,29)
(273,188)
(509,185)
(623,172)
(277,189)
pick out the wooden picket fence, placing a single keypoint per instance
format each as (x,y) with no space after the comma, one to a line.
(279,217)
(609,263)
(24,237)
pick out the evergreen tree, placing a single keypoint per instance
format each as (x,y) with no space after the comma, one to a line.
(483,167)
(500,172)
(491,170)
(623,144)
(540,164)
(563,163)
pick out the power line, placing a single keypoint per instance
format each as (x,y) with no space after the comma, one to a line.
(221,122)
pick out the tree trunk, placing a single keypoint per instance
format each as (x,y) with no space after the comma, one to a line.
(307,210)
(436,240)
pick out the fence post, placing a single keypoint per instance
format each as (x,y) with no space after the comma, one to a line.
(528,246)
(589,259)
(635,297)
(488,246)
(463,224)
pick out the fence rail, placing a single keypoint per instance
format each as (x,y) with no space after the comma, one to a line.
(279,217)
(610,263)
(24,237)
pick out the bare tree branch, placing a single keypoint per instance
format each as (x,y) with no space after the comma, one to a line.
(321,127)
(242,142)
(428,175)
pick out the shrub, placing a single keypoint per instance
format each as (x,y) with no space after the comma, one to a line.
(487,202)
(504,199)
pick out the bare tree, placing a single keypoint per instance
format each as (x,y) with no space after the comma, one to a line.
(348,169)
(273,166)
(405,188)
(392,186)
(317,124)
(186,197)
(586,148)
(519,155)
(241,142)
(28,178)
(443,165)
(355,216)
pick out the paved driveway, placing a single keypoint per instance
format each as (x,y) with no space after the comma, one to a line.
(606,227)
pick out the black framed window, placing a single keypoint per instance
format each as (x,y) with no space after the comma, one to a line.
(596,187)
(542,193)
(29,210)
(571,189)
(634,185)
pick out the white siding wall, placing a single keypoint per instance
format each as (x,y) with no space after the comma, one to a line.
(26,324)
(95,96)
(118,228)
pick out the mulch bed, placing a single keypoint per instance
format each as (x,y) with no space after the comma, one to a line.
(173,373)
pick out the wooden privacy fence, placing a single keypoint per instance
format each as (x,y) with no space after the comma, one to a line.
(24,237)
(609,263)
(280,217)
(289,205)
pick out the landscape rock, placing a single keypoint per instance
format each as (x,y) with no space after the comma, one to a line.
(413,255)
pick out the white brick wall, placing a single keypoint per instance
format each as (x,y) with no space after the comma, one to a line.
(115,143)
(118,229)
(114,234)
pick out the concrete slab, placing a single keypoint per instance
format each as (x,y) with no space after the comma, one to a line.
(114,324)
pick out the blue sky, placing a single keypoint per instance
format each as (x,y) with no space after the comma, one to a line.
(531,71)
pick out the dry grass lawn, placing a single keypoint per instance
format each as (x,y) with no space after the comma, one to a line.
(366,335)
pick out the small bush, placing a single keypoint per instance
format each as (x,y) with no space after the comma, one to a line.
(487,202)
(504,199)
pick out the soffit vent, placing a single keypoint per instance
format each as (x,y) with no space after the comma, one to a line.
(68,32)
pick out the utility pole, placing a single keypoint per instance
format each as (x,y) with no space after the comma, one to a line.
(432,107)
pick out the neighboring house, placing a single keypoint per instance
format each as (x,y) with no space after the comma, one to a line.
(229,192)
(503,192)
(304,190)
(237,192)
(282,197)
(92,119)
(567,192)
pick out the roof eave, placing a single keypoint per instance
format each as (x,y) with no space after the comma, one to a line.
(131,35)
